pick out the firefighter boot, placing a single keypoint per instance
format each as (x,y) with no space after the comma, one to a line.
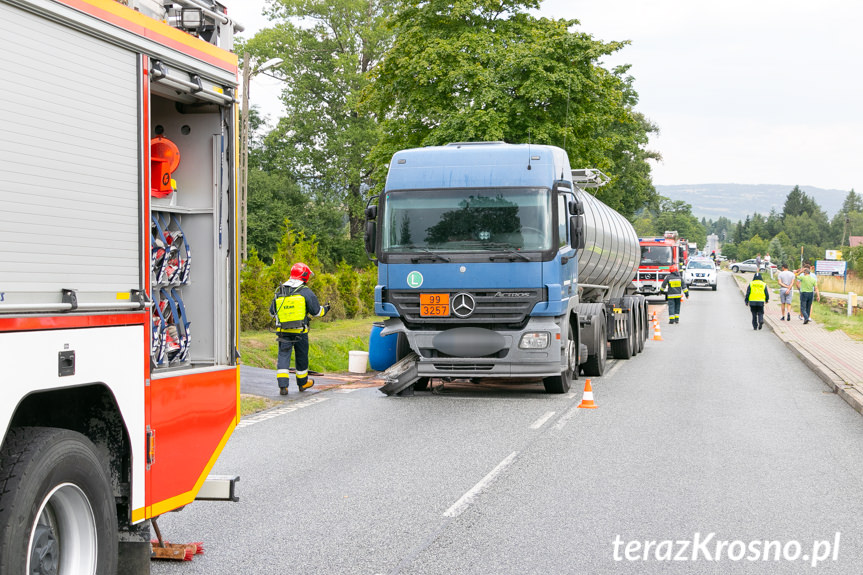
(306,384)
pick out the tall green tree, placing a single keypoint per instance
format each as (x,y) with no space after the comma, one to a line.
(462,70)
(329,46)
(797,203)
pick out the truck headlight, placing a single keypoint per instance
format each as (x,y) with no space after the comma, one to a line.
(536,340)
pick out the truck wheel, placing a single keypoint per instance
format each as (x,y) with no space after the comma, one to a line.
(561,383)
(639,330)
(714,287)
(595,365)
(622,348)
(57,509)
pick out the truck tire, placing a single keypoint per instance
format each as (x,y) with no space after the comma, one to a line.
(561,383)
(57,509)
(714,287)
(636,306)
(595,364)
(639,331)
(622,348)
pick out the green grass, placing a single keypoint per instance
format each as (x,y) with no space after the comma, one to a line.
(329,344)
(250,404)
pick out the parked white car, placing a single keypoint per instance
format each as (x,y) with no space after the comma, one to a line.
(700,272)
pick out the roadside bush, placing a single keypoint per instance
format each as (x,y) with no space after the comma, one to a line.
(349,292)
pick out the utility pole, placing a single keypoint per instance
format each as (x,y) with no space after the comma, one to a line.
(244,148)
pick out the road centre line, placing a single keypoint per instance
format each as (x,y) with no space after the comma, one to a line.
(271,413)
(465,500)
(541,421)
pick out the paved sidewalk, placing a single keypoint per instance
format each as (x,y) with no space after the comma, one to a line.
(832,355)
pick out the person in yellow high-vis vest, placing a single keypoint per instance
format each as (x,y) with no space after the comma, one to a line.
(674,290)
(757,296)
(292,306)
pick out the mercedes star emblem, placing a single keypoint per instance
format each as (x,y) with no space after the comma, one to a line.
(463,304)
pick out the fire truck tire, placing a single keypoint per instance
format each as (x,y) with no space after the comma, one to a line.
(561,383)
(57,509)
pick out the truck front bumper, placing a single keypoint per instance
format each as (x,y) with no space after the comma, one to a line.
(479,352)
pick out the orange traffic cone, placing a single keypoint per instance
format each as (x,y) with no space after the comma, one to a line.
(587,398)
(657,335)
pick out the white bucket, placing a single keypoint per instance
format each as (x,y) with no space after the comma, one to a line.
(358,361)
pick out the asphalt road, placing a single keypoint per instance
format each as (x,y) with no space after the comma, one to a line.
(716,434)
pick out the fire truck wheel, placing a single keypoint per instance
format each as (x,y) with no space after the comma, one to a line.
(57,509)
(561,383)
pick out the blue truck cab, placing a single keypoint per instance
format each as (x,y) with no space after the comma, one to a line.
(477,269)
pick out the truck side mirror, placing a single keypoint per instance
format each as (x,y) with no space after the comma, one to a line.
(370,237)
(371,212)
(576,208)
(576,232)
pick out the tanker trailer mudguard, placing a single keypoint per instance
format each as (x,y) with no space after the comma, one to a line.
(480,247)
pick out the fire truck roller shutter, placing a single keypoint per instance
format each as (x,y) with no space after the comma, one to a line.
(70,216)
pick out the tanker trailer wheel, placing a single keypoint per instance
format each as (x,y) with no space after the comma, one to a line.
(561,383)
(595,365)
(57,509)
(624,348)
(402,349)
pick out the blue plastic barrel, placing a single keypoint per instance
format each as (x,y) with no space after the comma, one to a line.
(382,349)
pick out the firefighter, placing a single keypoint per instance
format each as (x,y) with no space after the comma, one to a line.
(674,289)
(292,306)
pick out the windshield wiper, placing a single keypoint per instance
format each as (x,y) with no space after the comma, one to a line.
(510,252)
(431,255)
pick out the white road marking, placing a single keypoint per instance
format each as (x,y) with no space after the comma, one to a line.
(464,502)
(341,390)
(541,421)
(264,416)
(566,417)
(614,368)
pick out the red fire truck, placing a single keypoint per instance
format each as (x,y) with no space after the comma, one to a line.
(118,352)
(658,254)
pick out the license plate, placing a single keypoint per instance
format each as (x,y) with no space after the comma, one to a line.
(434,304)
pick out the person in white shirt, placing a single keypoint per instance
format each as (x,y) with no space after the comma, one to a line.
(787,279)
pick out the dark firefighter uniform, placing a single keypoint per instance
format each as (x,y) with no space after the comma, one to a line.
(674,289)
(292,307)
(757,296)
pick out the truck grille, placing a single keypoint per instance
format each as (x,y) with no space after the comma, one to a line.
(501,307)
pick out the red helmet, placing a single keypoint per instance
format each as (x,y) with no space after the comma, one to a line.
(672,269)
(301,271)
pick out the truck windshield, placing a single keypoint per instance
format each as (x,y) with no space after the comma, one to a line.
(656,256)
(467,220)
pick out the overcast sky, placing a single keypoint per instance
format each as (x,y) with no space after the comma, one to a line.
(743,91)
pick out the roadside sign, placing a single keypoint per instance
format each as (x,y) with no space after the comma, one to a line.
(830,267)
(833,255)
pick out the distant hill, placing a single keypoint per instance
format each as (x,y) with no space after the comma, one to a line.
(736,201)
